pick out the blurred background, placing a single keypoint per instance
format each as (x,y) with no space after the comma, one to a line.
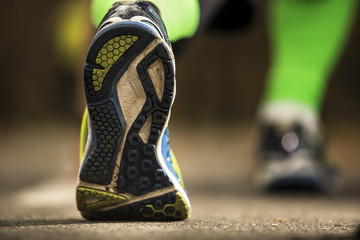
(43,46)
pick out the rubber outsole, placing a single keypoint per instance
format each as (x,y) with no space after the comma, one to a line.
(109,57)
(152,176)
(167,207)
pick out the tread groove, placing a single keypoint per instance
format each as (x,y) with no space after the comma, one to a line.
(132,177)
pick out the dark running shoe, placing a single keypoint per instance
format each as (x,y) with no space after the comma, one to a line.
(291,158)
(128,171)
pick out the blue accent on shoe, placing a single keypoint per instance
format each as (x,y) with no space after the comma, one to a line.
(165,149)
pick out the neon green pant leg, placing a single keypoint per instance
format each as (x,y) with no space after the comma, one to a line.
(181,17)
(307,37)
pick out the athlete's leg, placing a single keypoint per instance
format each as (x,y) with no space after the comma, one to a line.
(181,17)
(307,38)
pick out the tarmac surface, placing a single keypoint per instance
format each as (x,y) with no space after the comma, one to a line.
(39,167)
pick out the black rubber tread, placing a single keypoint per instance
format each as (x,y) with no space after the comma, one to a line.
(141,211)
(96,167)
(107,130)
(140,172)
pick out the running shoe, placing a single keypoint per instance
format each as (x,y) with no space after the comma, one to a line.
(128,171)
(292,158)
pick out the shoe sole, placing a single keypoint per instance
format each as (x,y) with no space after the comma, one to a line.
(129,78)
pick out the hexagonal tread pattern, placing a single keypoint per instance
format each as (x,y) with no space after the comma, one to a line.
(171,207)
(99,163)
(107,56)
(140,172)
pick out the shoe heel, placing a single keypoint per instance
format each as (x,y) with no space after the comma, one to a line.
(168,207)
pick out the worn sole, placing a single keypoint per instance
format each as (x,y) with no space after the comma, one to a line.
(129,78)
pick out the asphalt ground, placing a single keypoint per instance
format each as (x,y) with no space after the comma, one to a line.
(39,166)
